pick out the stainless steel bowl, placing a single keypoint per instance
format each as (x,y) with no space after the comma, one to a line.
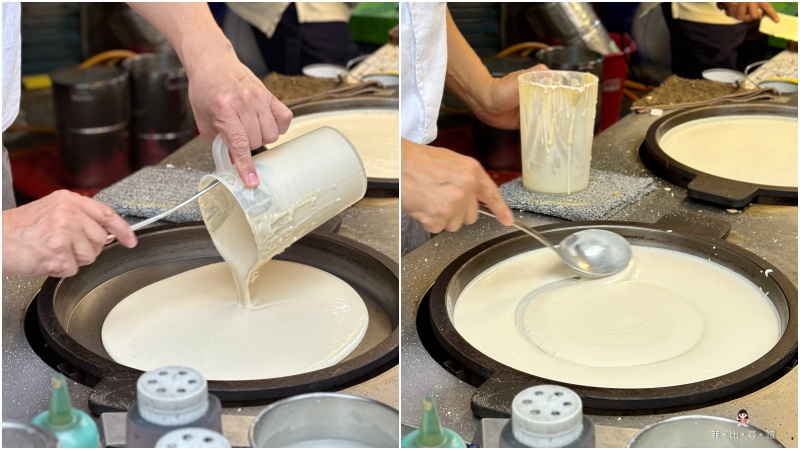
(326,420)
(26,435)
(697,431)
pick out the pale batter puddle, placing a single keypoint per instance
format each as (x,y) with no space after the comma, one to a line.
(307,319)
(668,319)
(251,317)
(246,242)
(751,148)
(375,133)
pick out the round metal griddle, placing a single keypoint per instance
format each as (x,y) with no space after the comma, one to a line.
(493,397)
(71,311)
(376,187)
(703,186)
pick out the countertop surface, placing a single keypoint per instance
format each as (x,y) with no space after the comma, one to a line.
(768,231)
(26,378)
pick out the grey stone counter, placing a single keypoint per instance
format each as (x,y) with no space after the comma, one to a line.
(26,378)
(767,231)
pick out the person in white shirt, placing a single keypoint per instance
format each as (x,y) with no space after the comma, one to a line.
(63,231)
(441,189)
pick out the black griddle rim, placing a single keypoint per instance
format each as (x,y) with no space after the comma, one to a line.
(704,186)
(504,381)
(385,352)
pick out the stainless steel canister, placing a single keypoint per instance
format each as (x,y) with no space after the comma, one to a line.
(574,23)
(162,116)
(92,115)
(326,420)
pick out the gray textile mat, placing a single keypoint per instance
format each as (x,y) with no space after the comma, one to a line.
(607,193)
(153,190)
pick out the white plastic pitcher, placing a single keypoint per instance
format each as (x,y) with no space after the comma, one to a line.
(303,183)
(557,110)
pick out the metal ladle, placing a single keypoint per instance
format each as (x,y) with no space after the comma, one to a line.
(166,213)
(591,253)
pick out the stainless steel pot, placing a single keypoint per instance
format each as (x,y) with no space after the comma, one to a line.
(162,116)
(702,432)
(323,420)
(26,435)
(92,115)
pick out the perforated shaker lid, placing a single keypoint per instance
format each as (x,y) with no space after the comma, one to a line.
(547,416)
(193,438)
(172,395)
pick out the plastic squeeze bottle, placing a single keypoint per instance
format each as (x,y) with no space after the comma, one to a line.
(73,427)
(169,398)
(430,433)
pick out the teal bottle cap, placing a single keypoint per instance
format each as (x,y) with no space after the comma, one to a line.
(73,427)
(431,434)
(60,407)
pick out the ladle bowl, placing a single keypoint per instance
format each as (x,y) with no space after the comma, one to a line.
(591,253)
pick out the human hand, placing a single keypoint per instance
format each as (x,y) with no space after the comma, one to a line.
(749,11)
(59,233)
(228,99)
(441,189)
(499,106)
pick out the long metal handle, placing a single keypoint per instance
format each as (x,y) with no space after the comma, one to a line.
(166,213)
(520,226)
(158,217)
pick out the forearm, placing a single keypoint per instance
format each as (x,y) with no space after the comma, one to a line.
(467,77)
(9,245)
(226,97)
(190,29)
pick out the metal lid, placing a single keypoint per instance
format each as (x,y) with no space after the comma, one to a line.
(88,76)
(148,63)
(172,395)
(547,416)
(570,58)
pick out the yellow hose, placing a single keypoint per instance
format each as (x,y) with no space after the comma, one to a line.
(32,128)
(105,56)
(638,86)
(630,95)
(524,48)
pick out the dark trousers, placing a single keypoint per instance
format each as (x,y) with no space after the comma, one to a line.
(696,47)
(295,45)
